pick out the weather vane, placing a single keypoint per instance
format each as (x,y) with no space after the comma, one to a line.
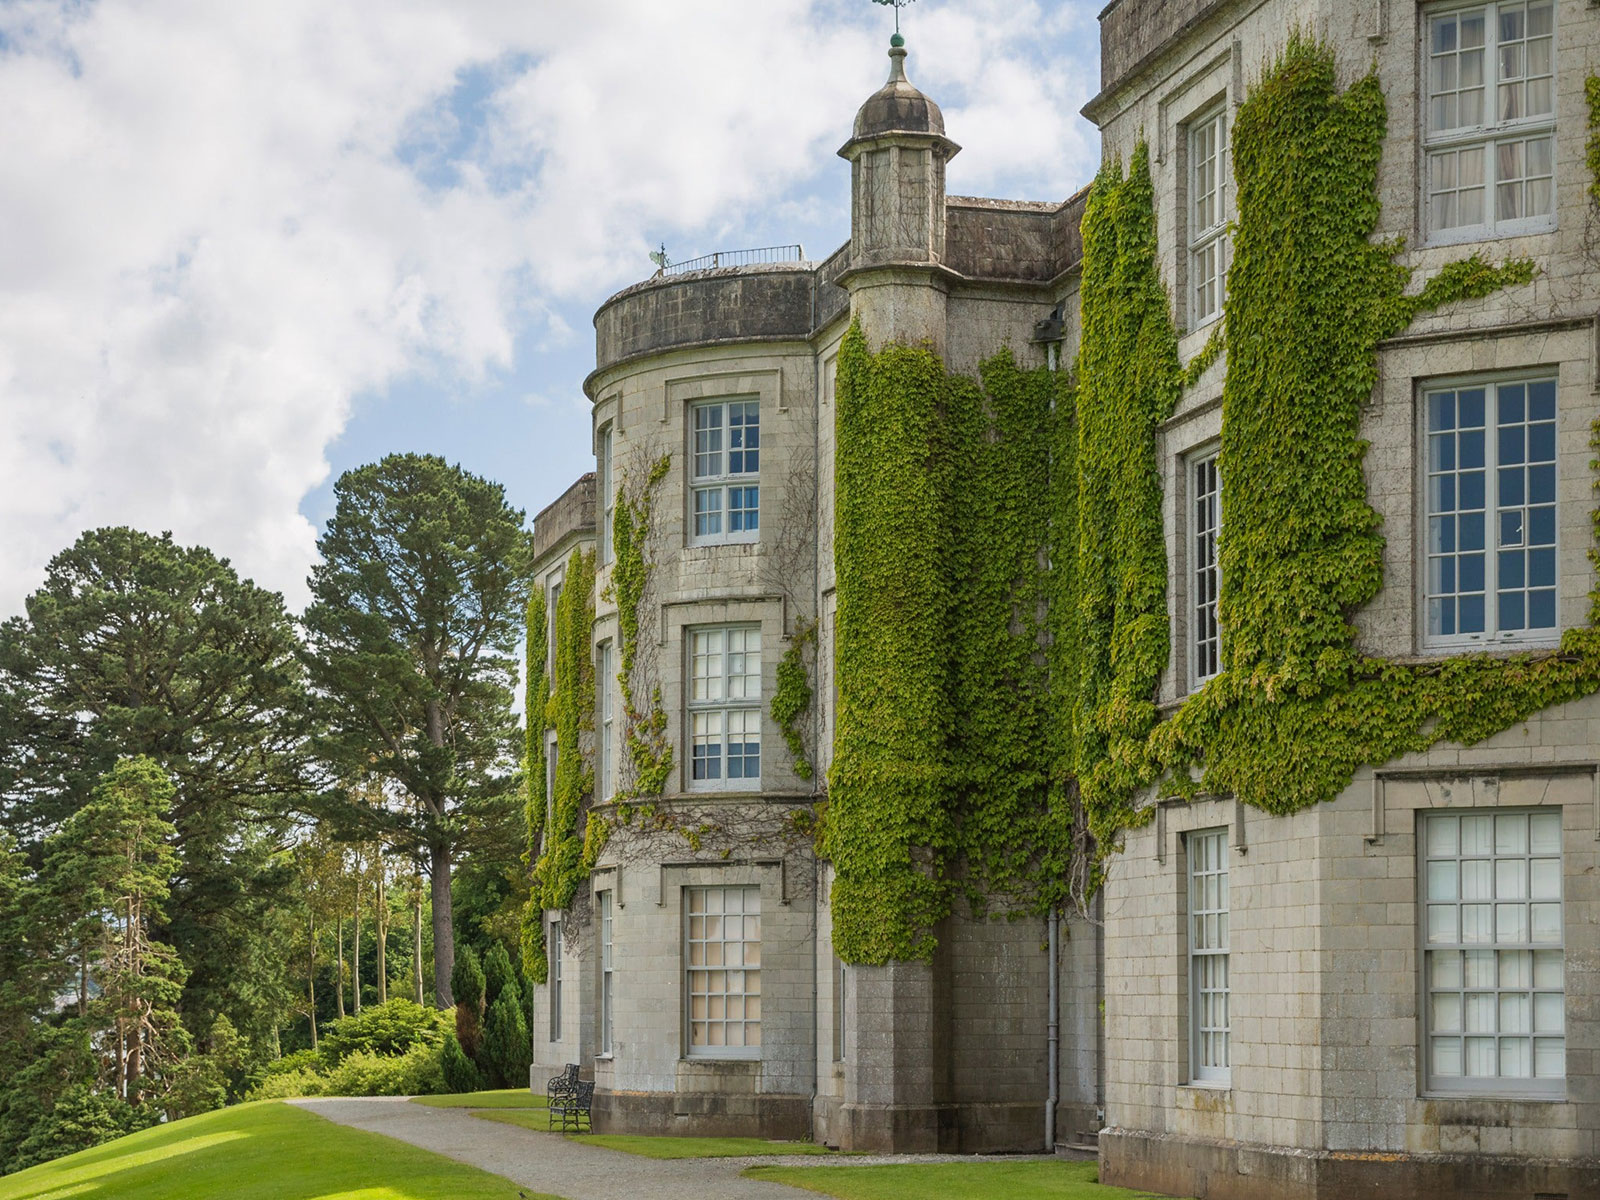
(897,5)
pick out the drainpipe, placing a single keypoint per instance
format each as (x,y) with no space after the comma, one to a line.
(1053,1055)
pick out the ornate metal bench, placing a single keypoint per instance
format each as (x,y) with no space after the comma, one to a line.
(574,1107)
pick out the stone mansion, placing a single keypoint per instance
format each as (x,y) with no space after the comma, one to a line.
(1394,990)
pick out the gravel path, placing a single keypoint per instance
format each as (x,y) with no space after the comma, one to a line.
(548,1162)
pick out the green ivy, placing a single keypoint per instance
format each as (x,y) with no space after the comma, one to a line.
(791,702)
(536,695)
(1000,427)
(1591,89)
(889,829)
(1128,381)
(645,727)
(998,672)
(945,693)
(564,864)
(1297,709)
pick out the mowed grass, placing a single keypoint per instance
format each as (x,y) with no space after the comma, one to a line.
(262,1151)
(655,1147)
(502,1098)
(694,1147)
(952,1181)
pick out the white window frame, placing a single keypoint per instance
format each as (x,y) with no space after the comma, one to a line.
(605,686)
(604,903)
(712,477)
(1208,239)
(1210,1048)
(1487,135)
(714,709)
(723,985)
(1493,950)
(555,979)
(1205,571)
(1446,536)
(603,486)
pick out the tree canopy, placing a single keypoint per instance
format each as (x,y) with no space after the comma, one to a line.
(136,646)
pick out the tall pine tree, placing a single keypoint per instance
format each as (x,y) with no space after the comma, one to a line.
(413,633)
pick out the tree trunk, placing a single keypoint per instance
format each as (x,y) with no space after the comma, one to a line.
(338,976)
(381,912)
(355,937)
(444,934)
(83,981)
(416,935)
(311,979)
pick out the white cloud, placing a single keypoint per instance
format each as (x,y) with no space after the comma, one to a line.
(223,221)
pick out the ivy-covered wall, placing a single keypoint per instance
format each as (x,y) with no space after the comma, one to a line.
(536,695)
(569,710)
(1592,93)
(1001,560)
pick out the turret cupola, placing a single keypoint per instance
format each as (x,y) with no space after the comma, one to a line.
(898,106)
(897,154)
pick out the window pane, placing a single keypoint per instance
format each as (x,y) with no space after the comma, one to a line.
(744,509)
(1544,833)
(1488,1008)
(1208,867)
(724,1006)
(707,440)
(1205,579)
(707,512)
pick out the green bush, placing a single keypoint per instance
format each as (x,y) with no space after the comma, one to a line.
(415,1073)
(289,1085)
(461,1074)
(290,1064)
(385,1029)
(81,1119)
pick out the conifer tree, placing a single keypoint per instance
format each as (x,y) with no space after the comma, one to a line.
(467,984)
(413,632)
(111,867)
(134,645)
(460,1072)
(497,973)
(506,1050)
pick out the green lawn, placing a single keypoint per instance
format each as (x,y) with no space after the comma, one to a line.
(261,1151)
(694,1147)
(658,1147)
(504,1098)
(952,1181)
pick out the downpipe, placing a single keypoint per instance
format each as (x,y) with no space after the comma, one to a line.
(1053,1041)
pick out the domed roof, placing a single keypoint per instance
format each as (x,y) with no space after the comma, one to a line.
(898,107)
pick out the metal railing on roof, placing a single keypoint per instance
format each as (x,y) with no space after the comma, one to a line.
(736,258)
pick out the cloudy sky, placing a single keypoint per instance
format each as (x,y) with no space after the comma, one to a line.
(245,247)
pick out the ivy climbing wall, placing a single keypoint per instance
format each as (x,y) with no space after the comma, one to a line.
(998,658)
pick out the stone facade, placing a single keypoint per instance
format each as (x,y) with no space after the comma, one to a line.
(1327,1091)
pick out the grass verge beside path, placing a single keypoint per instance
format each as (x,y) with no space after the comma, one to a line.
(694,1147)
(952,1181)
(500,1098)
(261,1151)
